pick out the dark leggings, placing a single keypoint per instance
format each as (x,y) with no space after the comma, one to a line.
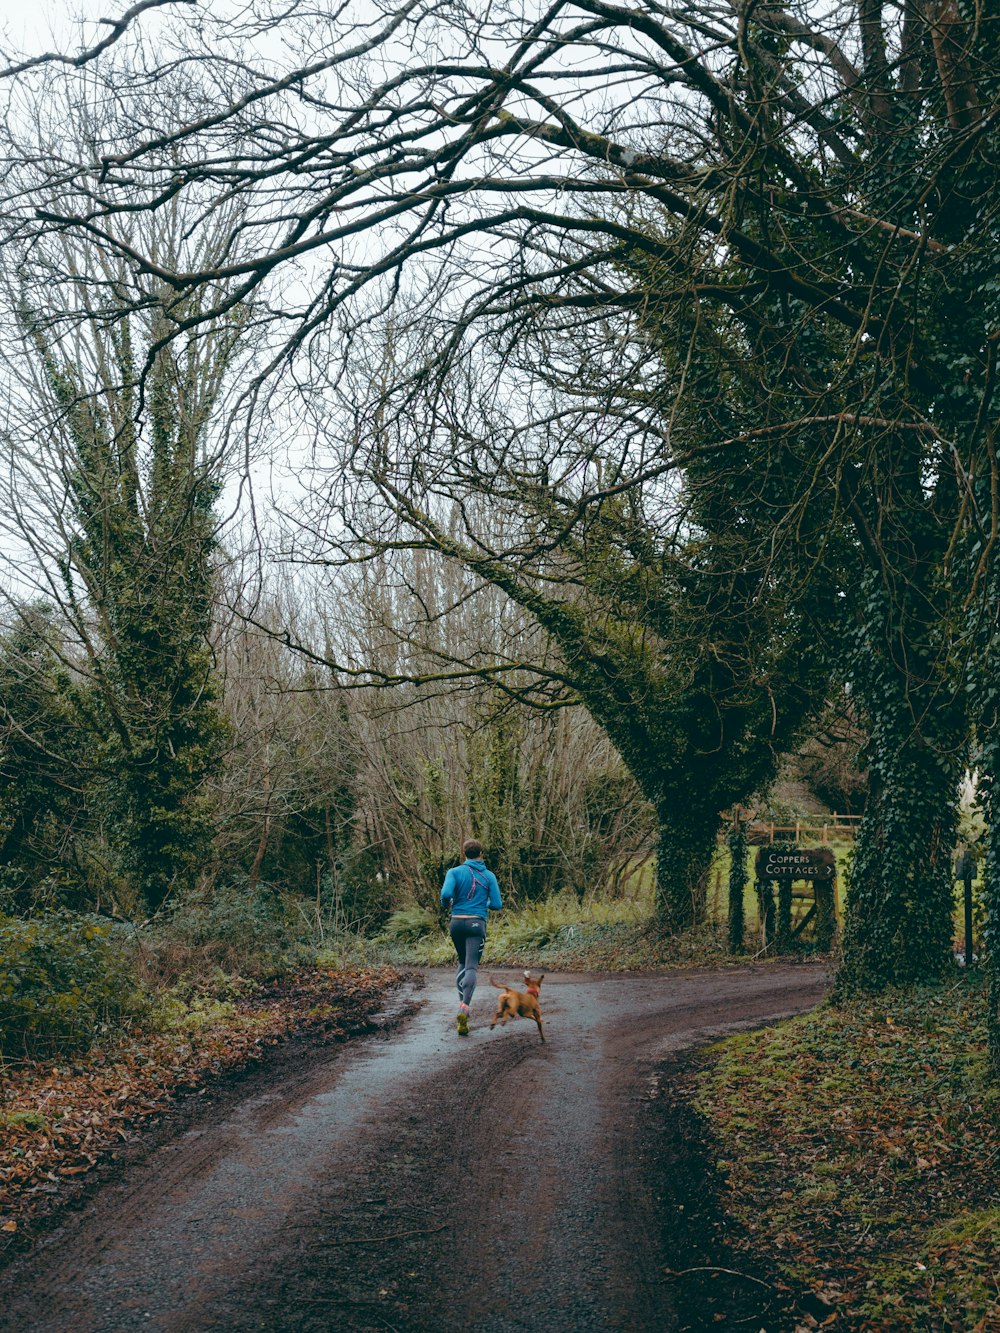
(468,934)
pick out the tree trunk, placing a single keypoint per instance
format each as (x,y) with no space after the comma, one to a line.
(684,853)
(990,766)
(898,925)
(898,928)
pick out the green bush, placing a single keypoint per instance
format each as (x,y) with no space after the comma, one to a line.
(410,924)
(175,1011)
(62,979)
(522,938)
(232,929)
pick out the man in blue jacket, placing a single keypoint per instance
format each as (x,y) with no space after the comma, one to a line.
(472,891)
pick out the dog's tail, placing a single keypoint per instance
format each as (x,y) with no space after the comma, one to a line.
(497,984)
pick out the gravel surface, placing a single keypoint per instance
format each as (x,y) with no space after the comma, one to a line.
(412,1181)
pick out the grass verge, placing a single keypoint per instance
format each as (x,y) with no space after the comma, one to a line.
(860,1147)
(559,933)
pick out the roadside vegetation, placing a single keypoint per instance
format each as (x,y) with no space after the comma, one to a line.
(858,1147)
(560,933)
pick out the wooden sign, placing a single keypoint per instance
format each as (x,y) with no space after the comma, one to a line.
(780,861)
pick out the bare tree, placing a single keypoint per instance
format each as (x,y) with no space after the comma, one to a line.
(798,204)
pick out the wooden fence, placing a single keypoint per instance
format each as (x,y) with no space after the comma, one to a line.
(836,828)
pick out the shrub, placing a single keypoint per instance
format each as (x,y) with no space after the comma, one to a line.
(523,934)
(62,978)
(176,1012)
(233,929)
(410,924)
(31,1121)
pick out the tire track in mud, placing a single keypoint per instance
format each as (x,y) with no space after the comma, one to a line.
(415,1181)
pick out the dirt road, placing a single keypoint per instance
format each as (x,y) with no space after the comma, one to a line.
(416,1181)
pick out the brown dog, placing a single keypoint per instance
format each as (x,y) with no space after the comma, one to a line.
(519,1003)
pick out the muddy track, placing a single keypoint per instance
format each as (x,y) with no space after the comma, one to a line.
(414,1180)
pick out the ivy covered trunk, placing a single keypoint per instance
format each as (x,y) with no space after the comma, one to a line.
(990,795)
(141,510)
(898,927)
(737,884)
(984,684)
(684,851)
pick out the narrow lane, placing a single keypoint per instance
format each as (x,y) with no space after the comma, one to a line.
(413,1182)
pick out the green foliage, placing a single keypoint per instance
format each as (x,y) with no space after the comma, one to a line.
(139,567)
(316,745)
(677,658)
(31,1120)
(526,933)
(990,787)
(177,1010)
(899,927)
(43,762)
(62,980)
(972,830)
(407,925)
(232,930)
(414,934)
(612,934)
(824,462)
(984,687)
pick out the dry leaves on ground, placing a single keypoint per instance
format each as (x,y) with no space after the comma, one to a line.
(60,1117)
(861,1147)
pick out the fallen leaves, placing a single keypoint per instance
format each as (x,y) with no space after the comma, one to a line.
(861,1152)
(60,1120)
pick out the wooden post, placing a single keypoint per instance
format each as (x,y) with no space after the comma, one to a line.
(765,911)
(783,934)
(826,913)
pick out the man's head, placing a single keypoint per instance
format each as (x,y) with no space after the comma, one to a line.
(473,850)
